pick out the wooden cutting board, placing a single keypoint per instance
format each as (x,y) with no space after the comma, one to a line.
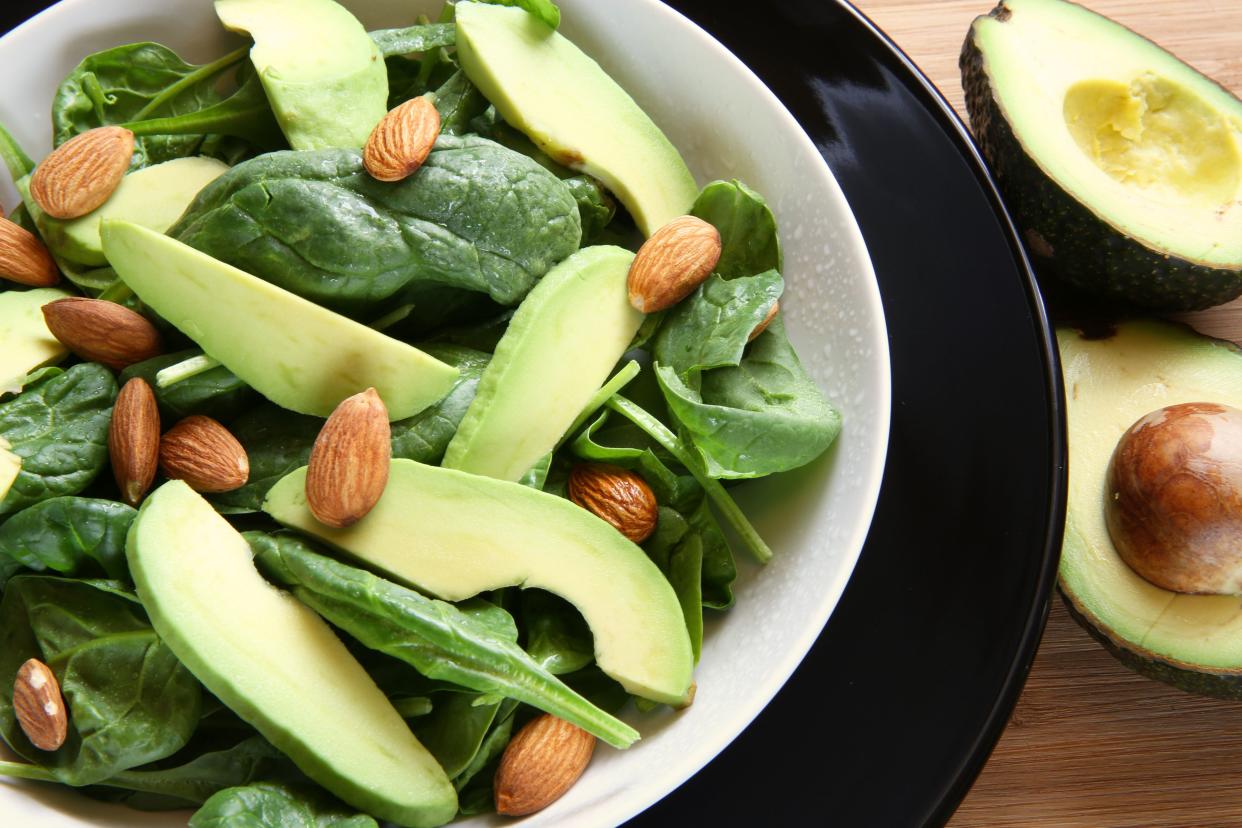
(1091,744)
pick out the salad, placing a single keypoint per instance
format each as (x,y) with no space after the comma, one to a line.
(421,385)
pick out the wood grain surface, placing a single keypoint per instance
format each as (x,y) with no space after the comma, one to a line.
(1091,744)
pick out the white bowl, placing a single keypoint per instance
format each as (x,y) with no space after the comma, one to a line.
(727,124)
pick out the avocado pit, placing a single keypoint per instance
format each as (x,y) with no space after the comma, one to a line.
(1174,498)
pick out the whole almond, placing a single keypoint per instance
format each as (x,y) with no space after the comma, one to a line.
(39,706)
(767,320)
(402,140)
(134,439)
(82,173)
(205,455)
(349,461)
(23,258)
(101,331)
(672,263)
(617,495)
(541,763)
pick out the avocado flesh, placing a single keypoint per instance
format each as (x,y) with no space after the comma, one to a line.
(297,354)
(25,341)
(455,535)
(10,467)
(276,664)
(154,197)
(564,339)
(1122,164)
(1110,383)
(547,88)
(324,76)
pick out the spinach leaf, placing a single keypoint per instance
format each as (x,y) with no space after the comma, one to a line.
(763,416)
(59,428)
(557,637)
(711,327)
(595,206)
(271,805)
(455,729)
(245,114)
(434,637)
(458,101)
(69,535)
(14,157)
(475,216)
(544,10)
(413,39)
(624,445)
(426,435)
(747,228)
(216,392)
(130,700)
(133,82)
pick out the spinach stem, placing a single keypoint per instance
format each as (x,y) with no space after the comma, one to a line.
(619,380)
(22,770)
(118,292)
(391,318)
(729,509)
(185,369)
(200,74)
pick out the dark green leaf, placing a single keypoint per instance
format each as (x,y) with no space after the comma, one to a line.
(458,101)
(557,637)
(246,114)
(214,393)
(14,157)
(59,428)
(455,729)
(414,38)
(711,327)
(595,206)
(544,10)
(271,805)
(70,535)
(747,228)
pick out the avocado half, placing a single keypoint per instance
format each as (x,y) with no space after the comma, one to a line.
(1193,642)
(1121,165)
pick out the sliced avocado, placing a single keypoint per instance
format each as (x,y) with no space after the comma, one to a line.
(25,341)
(154,197)
(455,535)
(274,663)
(1191,641)
(297,354)
(1121,164)
(563,341)
(545,86)
(324,76)
(10,467)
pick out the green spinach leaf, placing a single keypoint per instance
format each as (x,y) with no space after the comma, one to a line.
(459,101)
(14,157)
(557,637)
(271,805)
(747,228)
(596,207)
(711,327)
(216,392)
(421,38)
(246,114)
(70,535)
(455,729)
(59,428)
(475,216)
(544,10)
(130,700)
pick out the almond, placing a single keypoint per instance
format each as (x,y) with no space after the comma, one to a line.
(617,495)
(82,173)
(134,439)
(205,455)
(101,331)
(767,320)
(401,141)
(541,763)
(23,258)
(672,263)
(349,461)
(39,707)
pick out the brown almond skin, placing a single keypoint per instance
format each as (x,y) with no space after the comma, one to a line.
(24,258)
(402,140)
(134,440)
(82,173)
(39,705)
(101,331)
(672,263)
(767,320)
(205,454)
(540,764)
(617,495)
(349,462)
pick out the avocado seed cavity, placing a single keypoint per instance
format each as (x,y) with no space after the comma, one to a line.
(1174,498)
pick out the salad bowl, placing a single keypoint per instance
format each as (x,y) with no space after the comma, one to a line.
(727,125)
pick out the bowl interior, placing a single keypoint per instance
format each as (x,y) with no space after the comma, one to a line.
(726,124)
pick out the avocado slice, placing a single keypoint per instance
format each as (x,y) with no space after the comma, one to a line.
(154,197)
(25,341)
(297,354)
(1191,641)
(565,338)
(454,535)
(549,89)
(1121,164)
(10,467)
(323,74)
(276,664)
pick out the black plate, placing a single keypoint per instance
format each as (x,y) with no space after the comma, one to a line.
(898,705)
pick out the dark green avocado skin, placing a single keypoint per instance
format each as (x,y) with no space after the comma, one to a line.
(1065,238)
(1201,682)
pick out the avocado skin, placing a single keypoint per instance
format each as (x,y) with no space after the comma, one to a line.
(1066,239)
(1217,685)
